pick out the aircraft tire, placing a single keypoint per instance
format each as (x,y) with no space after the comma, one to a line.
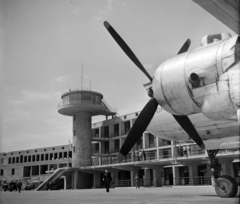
(226,187)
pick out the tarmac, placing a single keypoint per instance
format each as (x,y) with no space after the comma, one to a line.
(154,195)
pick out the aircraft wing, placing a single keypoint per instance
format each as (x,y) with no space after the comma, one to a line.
(226,11)
(215,134)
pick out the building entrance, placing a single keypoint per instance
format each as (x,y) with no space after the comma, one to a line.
(168,176)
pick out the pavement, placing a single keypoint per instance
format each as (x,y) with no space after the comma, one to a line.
(154,195)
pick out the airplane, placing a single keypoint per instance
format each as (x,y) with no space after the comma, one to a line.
(204,86)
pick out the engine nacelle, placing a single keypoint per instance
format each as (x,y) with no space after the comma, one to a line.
(204,80)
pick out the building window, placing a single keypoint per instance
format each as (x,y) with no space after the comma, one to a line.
(106,131)
(45,150)
(116,130)
(60,155)
(136,114)
(29,158)
(13,160)
(9,160)
(37,158)
(53,148)
(2,160)
(116,145)
(97,148)
(13,171)
(35,150)
(127,127)
(151,140)
(55,156)
(1,174)
(33,158)
(96,132)
(25,158)
(62,147)
(46,157)
(21,159)
(106,147)
(17,159)
(42,157)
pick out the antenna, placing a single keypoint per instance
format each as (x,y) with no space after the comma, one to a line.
(82,78)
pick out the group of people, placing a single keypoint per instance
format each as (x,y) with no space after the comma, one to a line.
(13,185)
(139,155)
(52,186)
(107,179)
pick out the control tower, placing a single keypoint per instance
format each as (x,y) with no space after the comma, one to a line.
(81,105)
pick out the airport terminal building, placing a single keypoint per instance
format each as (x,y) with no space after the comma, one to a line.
(157,161)
(94,148)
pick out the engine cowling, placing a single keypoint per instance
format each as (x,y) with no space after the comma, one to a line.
(204,80)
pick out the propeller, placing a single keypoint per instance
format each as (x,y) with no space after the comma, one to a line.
(138,127)
(126,49)
(148,111)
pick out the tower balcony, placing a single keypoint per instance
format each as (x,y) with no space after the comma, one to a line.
(75,101)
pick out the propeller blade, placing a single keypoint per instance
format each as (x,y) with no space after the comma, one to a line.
(126,49)
(138,128)
(185,47)
(187,125)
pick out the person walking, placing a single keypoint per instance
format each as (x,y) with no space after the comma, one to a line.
(107,180)
(19,186)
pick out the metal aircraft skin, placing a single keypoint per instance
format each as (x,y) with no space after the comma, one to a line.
(214,92)
(197,89)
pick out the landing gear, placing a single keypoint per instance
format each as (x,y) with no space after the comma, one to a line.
(225,186)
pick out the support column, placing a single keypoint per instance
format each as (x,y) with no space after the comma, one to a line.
(193,174)
(157,176)
(75,179)
(175,175)
(146,177)
(82,140)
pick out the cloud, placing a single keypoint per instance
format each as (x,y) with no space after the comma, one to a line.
(60,79)
(16,115)
(148,66)
(28,96)
(106,11)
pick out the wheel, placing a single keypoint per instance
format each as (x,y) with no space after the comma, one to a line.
(226,187)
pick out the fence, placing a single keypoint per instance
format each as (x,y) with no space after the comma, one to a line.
(193,181)
(132,183)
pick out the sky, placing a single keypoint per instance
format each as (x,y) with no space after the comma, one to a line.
(45,46)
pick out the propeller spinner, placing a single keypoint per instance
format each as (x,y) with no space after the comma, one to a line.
(149,110)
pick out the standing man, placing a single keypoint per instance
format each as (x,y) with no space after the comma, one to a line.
(137,181)
(107,180)
(19,186)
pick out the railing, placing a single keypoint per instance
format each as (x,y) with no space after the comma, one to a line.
(200,180)
(132,183)
(105,104)
(189,153)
